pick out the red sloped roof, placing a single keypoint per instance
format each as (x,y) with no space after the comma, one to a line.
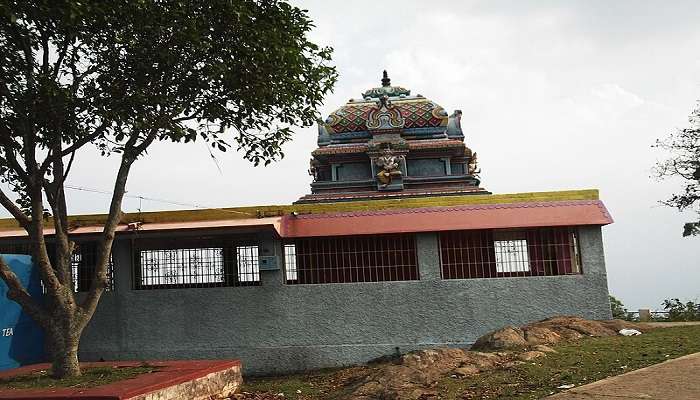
(487,216)
(421,219)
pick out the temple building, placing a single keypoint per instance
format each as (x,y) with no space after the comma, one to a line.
(397,247)
(391,144)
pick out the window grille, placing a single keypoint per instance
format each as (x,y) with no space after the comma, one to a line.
(511,253)
(189,264)
(83,261)
(496,253)
(182,266)
(248,264)
(290,262)
(347,259)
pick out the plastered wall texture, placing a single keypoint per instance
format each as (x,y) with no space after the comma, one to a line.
(277,328)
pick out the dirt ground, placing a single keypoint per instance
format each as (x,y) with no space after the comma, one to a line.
(417,375)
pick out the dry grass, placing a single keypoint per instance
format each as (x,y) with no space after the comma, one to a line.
(91,377)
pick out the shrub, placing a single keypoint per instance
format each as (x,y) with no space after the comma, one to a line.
(618,309)
(678,311)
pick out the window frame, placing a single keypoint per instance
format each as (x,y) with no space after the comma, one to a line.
(78,283)
(229,258)
(511,237)
(288,272)
(470,254)
(365,259)
(23,247)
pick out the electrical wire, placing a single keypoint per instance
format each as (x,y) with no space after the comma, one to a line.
(141,198)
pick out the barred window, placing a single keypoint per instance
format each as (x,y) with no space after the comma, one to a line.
(290,262)
(507,253)
(83,262)
(511,253)
(182,266)
(248,264)
(347,259)
(163,265)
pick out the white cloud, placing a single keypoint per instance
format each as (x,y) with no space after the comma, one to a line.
(616,97)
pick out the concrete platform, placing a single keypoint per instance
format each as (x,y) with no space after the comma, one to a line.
(673,379)
(197,380)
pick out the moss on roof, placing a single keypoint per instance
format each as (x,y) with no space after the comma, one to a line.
(319,208)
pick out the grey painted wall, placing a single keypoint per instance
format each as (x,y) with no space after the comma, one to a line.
(276,328)
(426,167)
(353,171)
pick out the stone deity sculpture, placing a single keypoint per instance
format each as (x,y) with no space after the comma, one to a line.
(389,164)
(473,166)
(313,169)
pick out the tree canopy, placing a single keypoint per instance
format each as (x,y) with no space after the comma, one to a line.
(121,76)
(617,308)
(683,162)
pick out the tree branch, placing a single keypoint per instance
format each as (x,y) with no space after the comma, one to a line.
(11,159)
(674,164)
(20,295)
(61,56)
(75,146)
(191,116)
(64,248)
(104,248)
(38,241)
(23,220)
(99,282)
(36,229)
(45,53)
(23,41)
(131,152)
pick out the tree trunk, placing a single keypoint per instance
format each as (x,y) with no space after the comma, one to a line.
(62,345)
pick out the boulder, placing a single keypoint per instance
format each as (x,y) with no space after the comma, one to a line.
(574,328)
(544,349)
(514,363)
(530,355)
(483,361)
(536,335)
(441,359)
(414,375)
(505,338)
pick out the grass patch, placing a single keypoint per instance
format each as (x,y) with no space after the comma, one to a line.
(578,363)
(295,387)
(91,377)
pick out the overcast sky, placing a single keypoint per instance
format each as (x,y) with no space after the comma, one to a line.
(555,95)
